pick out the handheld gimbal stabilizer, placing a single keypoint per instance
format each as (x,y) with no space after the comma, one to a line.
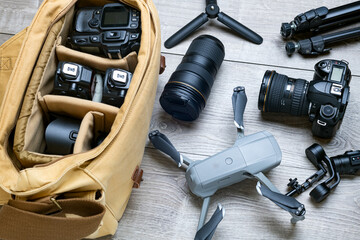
(348,163)
(212,11)
(321,19)
(249,157)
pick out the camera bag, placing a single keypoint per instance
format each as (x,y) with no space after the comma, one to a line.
(83,194)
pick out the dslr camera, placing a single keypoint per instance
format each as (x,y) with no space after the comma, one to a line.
(324,99)
(113,30)
(75,80)
(116,84)
(72,79)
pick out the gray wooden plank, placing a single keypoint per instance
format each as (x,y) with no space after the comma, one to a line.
(215,131)
(16,15)
(163,208)
(265,18)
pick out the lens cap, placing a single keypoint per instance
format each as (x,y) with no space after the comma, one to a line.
(179,105)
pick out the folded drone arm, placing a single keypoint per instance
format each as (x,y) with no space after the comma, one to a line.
(206,231)
(162,143)
(290,204)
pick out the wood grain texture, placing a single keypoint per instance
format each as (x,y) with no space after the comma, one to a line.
(16,15)
(215,131)
(262,16)
(163,208)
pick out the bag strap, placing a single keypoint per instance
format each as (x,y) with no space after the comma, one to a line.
(60,220)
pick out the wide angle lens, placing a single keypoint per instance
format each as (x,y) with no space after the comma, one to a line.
(279,93)
(188,89)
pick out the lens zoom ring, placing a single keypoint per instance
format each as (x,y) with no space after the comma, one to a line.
(209,49)
(275,92)
(298,98)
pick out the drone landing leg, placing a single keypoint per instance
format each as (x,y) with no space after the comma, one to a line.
(207,231)
(204,211)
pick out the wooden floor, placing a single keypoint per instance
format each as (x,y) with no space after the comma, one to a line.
(163,208)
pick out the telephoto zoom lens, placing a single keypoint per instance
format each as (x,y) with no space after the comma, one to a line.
(188,89)
(279,93)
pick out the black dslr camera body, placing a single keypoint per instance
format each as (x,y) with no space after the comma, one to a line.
(113,29)
(75,80)
(116,84)
(324,99)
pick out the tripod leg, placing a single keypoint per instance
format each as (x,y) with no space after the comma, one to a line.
(239,28)
(186,30)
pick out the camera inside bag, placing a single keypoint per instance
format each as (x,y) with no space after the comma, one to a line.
(112,31)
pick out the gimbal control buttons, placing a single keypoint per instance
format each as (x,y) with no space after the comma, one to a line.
(229,161)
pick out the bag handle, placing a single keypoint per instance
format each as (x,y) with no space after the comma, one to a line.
(67,219)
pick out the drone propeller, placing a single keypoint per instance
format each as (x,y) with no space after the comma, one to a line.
(239,101)
(208,230)
(290,204)
(161,142)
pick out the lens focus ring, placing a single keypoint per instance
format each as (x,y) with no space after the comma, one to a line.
(298,105)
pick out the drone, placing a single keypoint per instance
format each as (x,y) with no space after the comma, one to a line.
(249,157)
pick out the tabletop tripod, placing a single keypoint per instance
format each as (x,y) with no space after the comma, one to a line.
(212,11)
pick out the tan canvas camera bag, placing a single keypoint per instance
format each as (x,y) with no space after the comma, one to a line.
(83,194)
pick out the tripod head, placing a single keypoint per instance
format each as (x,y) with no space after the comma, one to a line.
(212,11)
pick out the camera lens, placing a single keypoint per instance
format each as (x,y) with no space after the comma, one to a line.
(279,93)
(188,89)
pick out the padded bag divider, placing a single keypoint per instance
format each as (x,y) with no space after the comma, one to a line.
(108,167)
(67,54)
(64,106)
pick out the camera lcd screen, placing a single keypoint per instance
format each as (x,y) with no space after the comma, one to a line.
(336,74)
(115,17)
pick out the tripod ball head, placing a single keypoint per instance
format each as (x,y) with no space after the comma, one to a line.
(286,30)
(290,48)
